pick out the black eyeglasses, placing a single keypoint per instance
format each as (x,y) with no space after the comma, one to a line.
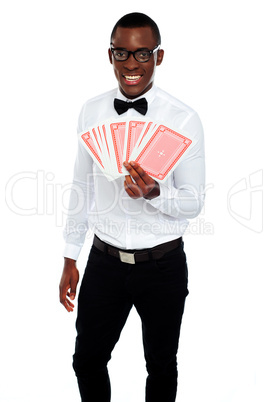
(141,55)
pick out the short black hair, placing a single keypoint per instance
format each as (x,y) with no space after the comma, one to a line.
(138,20)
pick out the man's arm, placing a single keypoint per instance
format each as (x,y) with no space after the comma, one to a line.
(183,196)
(68,283)
(81,201)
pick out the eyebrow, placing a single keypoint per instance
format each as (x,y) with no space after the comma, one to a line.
(123,48)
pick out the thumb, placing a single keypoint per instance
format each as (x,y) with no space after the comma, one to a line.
(72,292)
(73,284)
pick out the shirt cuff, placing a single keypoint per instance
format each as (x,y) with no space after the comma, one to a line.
(71,251)
(165,194)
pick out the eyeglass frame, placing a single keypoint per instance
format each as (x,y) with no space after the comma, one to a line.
(129,52)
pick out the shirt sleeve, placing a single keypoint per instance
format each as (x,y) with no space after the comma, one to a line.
(183,195)
(81,201)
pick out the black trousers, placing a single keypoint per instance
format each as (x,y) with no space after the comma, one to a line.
(108,291)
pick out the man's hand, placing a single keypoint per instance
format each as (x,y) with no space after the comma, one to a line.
(139,184)
(68,283)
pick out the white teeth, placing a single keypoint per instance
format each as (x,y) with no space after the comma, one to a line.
(132,77)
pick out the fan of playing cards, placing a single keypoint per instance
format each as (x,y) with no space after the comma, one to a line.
(155,147)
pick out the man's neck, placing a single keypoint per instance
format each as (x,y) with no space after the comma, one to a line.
(148,95)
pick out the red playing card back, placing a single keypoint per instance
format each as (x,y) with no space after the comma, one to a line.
(134,130)
(118,139)
(86,137)
(162,152)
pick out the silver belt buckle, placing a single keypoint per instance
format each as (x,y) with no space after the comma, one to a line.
(128,258)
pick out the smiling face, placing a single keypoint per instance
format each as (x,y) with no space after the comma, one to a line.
(135,78)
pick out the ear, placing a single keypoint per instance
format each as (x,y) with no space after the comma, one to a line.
(160,56)
(110,56)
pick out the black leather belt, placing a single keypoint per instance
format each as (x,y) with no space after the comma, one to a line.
(134,256)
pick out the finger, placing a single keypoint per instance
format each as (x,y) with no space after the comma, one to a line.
(140,171)
(133,170)
(73,289)
(69,306)
(71,295)
(63,294)
(150,183)
(144,181)
(132,188)
(136,183)
(68,301)
(63,297)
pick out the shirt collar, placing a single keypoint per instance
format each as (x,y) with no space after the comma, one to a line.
(149,96)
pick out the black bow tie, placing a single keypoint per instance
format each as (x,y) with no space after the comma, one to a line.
(140,105)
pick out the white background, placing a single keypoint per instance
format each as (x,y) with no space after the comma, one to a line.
(53,58)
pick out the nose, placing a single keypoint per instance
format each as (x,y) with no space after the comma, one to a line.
(131,63)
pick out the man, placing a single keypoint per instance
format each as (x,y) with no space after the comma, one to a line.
(137,257)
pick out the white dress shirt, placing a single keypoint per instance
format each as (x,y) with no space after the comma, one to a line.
(103,207)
